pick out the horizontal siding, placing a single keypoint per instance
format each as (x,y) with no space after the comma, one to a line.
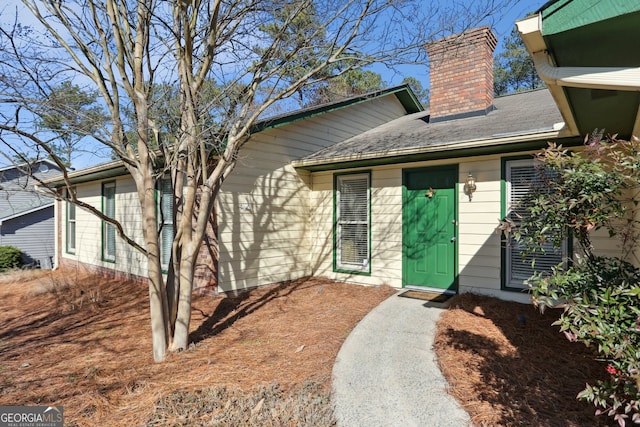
(262,224)
(479,245)
(89,228)
(265,207)
(34,235)
(479,250)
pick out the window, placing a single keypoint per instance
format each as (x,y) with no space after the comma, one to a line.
(165,220)
(520,177)
(109,230)
(352,215)
(71,226)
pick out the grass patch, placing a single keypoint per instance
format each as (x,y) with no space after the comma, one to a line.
(307,405)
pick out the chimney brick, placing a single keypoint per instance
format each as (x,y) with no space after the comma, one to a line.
(462,73)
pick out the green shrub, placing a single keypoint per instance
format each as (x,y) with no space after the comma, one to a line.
(597,188)
(10,258)
(601,297)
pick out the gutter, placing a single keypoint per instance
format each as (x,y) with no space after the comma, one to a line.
(612,78)
(608,78)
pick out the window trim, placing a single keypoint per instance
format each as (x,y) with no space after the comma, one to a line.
(505,264)
(68,222)
(105,225)
(337,266)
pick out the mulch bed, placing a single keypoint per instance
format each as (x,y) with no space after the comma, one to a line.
(508,366)
(84,342)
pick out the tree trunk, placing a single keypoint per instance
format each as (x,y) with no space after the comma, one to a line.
(158,305)
(183,318)
(158,324)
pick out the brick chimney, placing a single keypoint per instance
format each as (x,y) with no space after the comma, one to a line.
(462,74)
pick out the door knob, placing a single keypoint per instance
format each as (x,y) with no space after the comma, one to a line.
(453,239)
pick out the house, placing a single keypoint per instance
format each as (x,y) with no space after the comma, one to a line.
(26,216)
(375,190)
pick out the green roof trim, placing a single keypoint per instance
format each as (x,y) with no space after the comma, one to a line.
(404,94)
(564,15)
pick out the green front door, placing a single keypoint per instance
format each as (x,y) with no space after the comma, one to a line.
(429,227)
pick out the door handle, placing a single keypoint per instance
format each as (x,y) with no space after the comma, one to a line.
(453,239)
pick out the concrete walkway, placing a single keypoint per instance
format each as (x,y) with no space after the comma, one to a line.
(386,372)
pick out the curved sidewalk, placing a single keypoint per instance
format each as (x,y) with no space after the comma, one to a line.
(386,372)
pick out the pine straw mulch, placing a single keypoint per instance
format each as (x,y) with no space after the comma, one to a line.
(84,342)
(508,366)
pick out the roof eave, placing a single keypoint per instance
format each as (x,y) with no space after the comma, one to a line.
(92,173)
(403,93)
(489,143)
(531,32)
(607,78)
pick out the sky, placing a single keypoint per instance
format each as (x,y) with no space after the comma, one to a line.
(502,25)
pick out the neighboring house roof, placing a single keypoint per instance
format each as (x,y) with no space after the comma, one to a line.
(18,196)
(586,52)
(518,118)
(403,93)
(6,217)
(44,166)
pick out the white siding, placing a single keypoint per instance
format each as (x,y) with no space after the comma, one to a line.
(89,228)
(33,234)
(479,246)
(266,207)
(263,208)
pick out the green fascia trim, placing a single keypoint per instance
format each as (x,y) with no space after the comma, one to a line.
(404,94)
(445,154)
(564,15)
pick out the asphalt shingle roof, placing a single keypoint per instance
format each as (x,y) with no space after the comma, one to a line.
(522,113)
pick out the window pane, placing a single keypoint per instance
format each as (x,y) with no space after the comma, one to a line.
(354,244)
(71,227)
(71,236)
(521,268)
(110,249)
(165,220)
(523,177)
(166,238)
(352,214)
(109,230)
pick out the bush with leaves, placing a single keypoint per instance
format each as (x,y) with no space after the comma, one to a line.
(583,191)
(10,258)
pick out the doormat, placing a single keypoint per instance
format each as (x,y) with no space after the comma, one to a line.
(426,296)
